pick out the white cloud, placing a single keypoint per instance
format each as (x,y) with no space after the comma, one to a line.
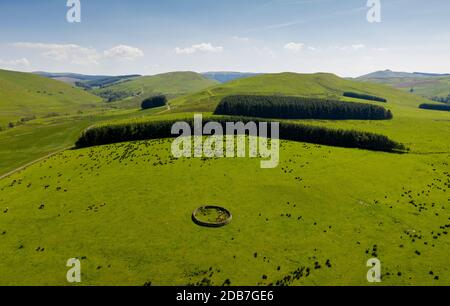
(79,55)
(16,63)
(124,52)
(241,39)
(294,47)
(358,46)
(203,47)
(72,53)
(354,47)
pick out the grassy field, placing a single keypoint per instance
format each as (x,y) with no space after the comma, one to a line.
(426,87)
(172,84)
(23,95)
(40,137)
(125,209)
(320,85)
(61,112)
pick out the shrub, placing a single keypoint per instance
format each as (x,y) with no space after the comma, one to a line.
(436,107)
(115,133)
(52,114)
(282,107)
(28,118)
(156,101)
(364,97)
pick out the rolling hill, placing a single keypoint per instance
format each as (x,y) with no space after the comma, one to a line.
(321,85)
(24,95)
(115,207)
(225,76)
(389,74)
(83,79)
(69,77)
(428,85)
(88,82)
(172,84)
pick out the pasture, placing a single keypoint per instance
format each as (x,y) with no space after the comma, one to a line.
(125,209)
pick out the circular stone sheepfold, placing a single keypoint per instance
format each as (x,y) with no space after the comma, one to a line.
(211,216)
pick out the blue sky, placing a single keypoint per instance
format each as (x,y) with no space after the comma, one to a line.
(149,36)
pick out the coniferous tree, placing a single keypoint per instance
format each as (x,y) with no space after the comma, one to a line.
(437,107)
(364,97)
(115,133)
(282,107)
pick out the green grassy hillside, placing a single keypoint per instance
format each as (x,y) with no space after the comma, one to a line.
(38,138)
(428,87)
(320,85)
(172,84)
(86,81)
(125,209)
(23,95)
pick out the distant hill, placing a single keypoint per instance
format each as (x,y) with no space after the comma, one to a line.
(174,84)
(429,85)
(385,74)
(70,77)
(24,95)
(86,81)
(320,85)
(105,82)
(224,77)
(388,74)
(425,74)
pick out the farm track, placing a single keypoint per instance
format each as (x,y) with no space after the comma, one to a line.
(33,162)
(3,176)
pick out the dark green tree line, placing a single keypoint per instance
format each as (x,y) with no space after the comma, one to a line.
(364,97)
(282,107)
(115,133)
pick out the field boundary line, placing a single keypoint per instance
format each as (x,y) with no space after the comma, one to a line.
(3,176)
(429,153)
